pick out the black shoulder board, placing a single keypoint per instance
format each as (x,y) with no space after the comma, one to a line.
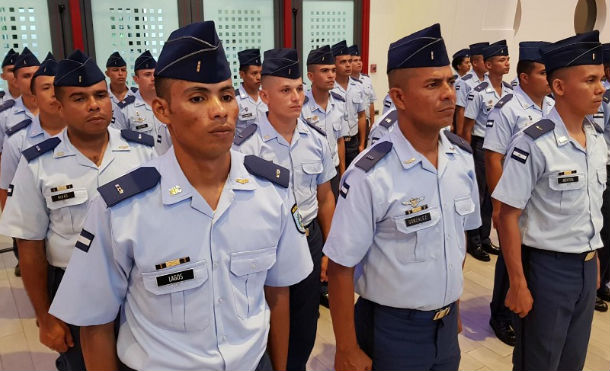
(127,101)
(503,100)
(337,96)
(598,128)
(134,89)
(137,137)
(6,105)
(607,96)
(458,141)
(540,128)
(2,94)
(246,133)
(306,99)
(389,119)
(507,85)
(467,76)
(130,184)
(379,150)
(41,148)
(315,128)
(357,80)
(15,128)
(267,170)
(481,86)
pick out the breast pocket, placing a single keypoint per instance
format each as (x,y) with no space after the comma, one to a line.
(421,237)
(178,298)
(248,274)
(464,205)
(311,170)
(568,187)
(67,210)
(140,124)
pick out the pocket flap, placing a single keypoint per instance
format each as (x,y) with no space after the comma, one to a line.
(313,168)
(179,278)
(248,262)
(418,221)
(567,182)
(69,197)
(464,205)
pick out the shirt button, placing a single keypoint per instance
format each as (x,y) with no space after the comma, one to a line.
(220,300)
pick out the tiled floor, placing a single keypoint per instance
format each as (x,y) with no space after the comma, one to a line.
(20,349)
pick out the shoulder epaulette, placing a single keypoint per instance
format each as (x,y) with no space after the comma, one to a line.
(134,89)
(503,100)
(507,85)
(607,96)
(514,83)
(389,119)
(482,86)
(458,141)
(41,148)
(127,101)
(15,128)
(267,170)
(6,105)
(598,128)
(315,127)
(337,96)
(246,133)
(306,99)
(137,137)
(467,76)
(540,128)
(2,94)
(130,184)
(374,155)
(357,80)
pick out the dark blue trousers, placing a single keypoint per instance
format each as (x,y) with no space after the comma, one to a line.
(305,306)
(351,149)
(405,339)
(555,333)
(499,311)
(481,234)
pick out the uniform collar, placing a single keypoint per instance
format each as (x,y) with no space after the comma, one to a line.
(409,157)
(268,132)
(243,94)
(140,101)
(490,88)
(35,127)
(116,143)
(114,97)
(526,102)
(313,105)
(562,137)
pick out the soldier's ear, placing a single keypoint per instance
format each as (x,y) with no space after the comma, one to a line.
(161,109)
(398,97)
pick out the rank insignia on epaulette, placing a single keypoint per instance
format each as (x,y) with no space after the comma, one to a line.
(119,188)
(344,190)
(173,263)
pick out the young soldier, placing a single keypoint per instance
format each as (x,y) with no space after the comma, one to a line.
(248,98)
(8,65)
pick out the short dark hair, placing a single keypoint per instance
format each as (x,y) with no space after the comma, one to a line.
(525,67)
(457,61)
(162,87)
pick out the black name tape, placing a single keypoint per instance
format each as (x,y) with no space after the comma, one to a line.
(567,179)
(175,277)
(63,196)
(414,220)
(141,126)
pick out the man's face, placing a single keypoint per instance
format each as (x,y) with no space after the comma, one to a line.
(537,82)
(498,65)
(23,76)
(464,66)
(86,110)
(117,75)
(145,80)
(200,117)
(9,77)
(478,64)
(580,87)
(322,76)
(283,96)
(356,64)
(426,95)
(45,95)
(251,77)
(344,65)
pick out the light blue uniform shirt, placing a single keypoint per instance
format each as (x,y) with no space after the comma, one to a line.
(12,117)
(14,145)
(308,157)
(515,115)
(7,96)
(558,184)
(480,103)
(464,85)
(387,104)
(606,84)
(331,121)
(139,116)
(383,125)
(369,93)
(249,110)
(51,193)
(214,319)
(406,260)
(354,103)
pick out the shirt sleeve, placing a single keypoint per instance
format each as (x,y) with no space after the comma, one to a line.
(474,105)
(119,118)
(328,171)
(8,165)
(95,283)
(26,215)
(372,95)
(461,90)
(360,101)
(499,134)
(3,118)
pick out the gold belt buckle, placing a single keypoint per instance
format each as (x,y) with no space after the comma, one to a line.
(590,256)
(306,232)
(441,313)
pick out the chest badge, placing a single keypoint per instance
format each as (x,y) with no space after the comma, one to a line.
(415,206)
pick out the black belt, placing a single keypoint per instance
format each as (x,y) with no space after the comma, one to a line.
(309,227)
(433,315)
(586,256)
(474,138)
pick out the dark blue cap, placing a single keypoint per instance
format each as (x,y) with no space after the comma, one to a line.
(77,70)
(424,48)
(530,50)
(322,55)
(477,48)
(340,48)
(499,48)
(606,53)
(461,53)
(10,57)
(353,50)
(574,51)
(26,59)
(249,57)
(49,56)
(145,62)
(115,60)
(194,53)
(48,67)
(282,62)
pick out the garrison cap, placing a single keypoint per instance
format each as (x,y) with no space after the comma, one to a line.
(499,48)
(321,55)
(10,57)
(353,50)
(424,48)
(463,53)
(26,59)
(530,50)
(282,62)
(249,57)
(606,53)
(48,67)
(115,60)
(77,70)
(340,48)
(477,48)
(145,62)
(581,49)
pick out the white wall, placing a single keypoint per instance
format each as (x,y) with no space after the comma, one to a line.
(468,21)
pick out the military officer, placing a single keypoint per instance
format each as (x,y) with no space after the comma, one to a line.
(248,99)
(8,65)
(383,126)
(397,235)
(367,84)
(207,290)
(606,53)
(464,84)
(550,218)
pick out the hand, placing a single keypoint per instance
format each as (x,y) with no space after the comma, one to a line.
(323,269)
(55,334)
(352,360)
(361,147)
(519,300)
